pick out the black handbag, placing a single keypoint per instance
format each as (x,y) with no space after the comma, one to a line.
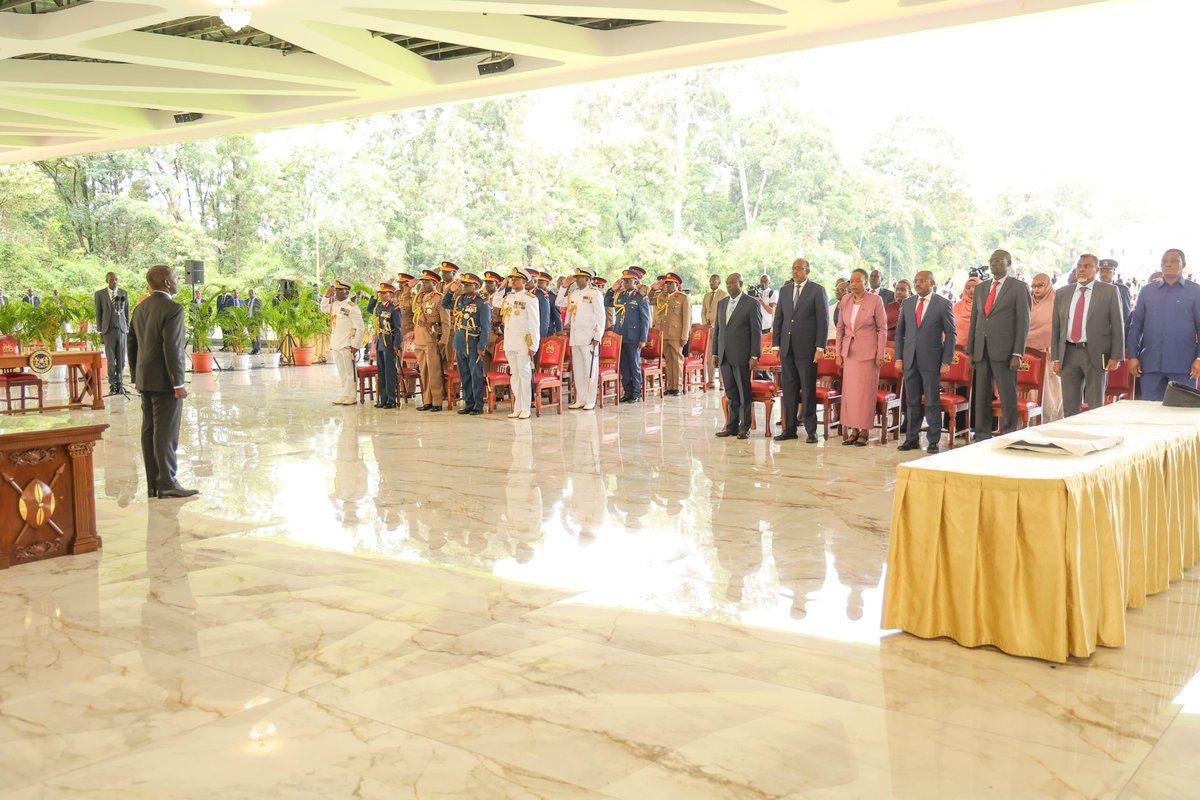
(1181,395)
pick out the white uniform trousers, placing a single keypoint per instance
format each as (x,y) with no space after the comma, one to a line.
(519,364)
(585,371)
(343,359)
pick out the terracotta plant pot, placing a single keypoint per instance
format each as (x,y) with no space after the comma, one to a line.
(202,362)
(303,356)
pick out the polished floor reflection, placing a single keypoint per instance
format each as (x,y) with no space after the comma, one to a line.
(390,604)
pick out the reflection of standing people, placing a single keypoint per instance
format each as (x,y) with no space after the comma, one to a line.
(112,323)
(156,343)
(347,331)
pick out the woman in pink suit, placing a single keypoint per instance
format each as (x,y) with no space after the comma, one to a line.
(861,337)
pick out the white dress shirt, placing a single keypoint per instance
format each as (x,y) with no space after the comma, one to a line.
(1087,306)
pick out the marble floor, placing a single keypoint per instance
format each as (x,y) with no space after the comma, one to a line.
(390,604)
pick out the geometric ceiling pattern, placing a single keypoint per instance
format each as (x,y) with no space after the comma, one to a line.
(81,76)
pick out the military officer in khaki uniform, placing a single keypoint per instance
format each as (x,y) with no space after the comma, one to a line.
(429,322)
(405,286)
(449,272)
(673,317)
(708,316)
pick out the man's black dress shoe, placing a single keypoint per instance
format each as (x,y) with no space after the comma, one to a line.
(785,436)
(475,412)
(464,411)
(628,398)
(180,492)
(906,446)
(726,432)
(743,434)
(388,405)
(933,448)
(435,408)
(425,407)
(812,438)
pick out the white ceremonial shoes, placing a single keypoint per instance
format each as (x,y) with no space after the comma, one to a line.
(514,415)
(345,402)
(575,405)
(524,415)
(589,406)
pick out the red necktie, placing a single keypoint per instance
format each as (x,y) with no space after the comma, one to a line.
(1077,323)
(987,307)
(920,311)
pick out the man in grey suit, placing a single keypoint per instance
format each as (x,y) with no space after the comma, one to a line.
(112,323)
(156,343)
(924,351)
(996,342)
(1088,336)
(799,329)
(736,345)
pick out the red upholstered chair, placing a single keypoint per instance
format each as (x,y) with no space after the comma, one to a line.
(451,379)
(693,365)
(367,374)
(610,362)
(887,399)
(1120,384)
(956,395)
(829,389)
(652,364)
(19,379)
(1031,379)
(407,370)
(547,379)
(761,391)
(497,384)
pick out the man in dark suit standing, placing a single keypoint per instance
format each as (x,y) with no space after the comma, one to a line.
(1088,336)
(799,329)
(996,342)
(112,323)
(736,345)
(253,307)
(156,342)
(924,351)
(877,287)
(1108,272)
(31,298)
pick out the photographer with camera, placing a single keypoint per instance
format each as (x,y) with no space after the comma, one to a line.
(766,298)
(112,323)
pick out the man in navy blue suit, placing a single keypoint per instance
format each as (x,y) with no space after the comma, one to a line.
(924,352)
(799,330)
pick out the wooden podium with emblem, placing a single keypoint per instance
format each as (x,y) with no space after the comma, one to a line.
(47,492)
(84,374)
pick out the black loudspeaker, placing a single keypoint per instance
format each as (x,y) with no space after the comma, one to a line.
(194,271)
(287,287)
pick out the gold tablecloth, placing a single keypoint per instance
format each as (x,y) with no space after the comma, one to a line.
(1040,555)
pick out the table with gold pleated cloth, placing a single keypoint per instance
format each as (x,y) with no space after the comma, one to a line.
(1039,555)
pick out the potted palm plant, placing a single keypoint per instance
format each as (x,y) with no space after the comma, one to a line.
(235,332)
(270,319)
(202,320)
(305,322)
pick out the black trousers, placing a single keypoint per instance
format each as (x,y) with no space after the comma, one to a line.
(114,351)
(161,413)
(736,380)
(989,371)
(928,383)
(800,384)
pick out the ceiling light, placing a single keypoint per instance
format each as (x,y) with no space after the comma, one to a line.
(235,16)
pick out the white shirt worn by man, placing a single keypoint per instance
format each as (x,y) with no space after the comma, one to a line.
(522,335)
(1087,288)
(766,317)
